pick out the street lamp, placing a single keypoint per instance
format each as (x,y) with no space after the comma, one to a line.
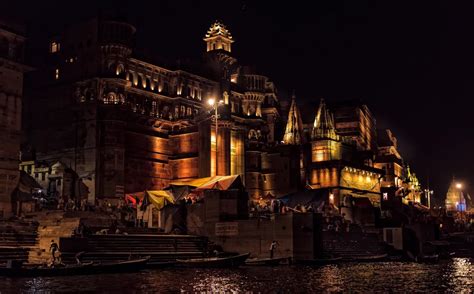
(428,194)
(459,186)
(213,103)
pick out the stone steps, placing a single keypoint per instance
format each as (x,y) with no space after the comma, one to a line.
(121,247)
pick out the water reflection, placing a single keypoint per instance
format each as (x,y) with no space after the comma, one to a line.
(454,276)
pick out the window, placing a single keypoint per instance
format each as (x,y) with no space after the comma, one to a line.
(56,74)
(43,176)
(55,47)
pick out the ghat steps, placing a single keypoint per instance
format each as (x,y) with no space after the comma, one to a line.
(121,247)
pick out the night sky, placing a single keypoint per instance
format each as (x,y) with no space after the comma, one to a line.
(412,62)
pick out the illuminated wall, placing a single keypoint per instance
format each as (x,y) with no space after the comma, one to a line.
(213,152)
(184,168)
(360,179)
(324,178)
(237,153)
(324,150)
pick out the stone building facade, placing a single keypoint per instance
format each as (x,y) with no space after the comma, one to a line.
(123,124)
(11,92)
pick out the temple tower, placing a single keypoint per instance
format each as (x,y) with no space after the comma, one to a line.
(325,143)
(294,125)
(218,37)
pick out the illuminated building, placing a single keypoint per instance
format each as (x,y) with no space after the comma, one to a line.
(294,125)
(123,124)
(412,187)
(355,121)
(389,159)
(336,168)
(11,93)
(455,200)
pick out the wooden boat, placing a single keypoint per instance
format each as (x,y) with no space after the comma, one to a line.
(160,264)
(120,266)
(33,270)
(214,262)
(319,261)
(266,261)
(427,258)
(370,258)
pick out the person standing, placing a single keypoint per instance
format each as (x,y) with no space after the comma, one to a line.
(53,248)
(272,248)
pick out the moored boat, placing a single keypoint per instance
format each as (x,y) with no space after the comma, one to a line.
(160,264)
(120,266)
(427,258)
(266,261)
(214,262)
(34,270)
(370,258)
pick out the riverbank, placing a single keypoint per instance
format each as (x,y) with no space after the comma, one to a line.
(452,276)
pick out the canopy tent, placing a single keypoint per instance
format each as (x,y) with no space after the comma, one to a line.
(184,188)
(181,189)
(159,198)
(221,183)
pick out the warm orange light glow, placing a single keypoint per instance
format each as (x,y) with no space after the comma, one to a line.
(458,185)
(211,101)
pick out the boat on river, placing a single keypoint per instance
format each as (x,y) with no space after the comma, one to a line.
(266,261)
(34,270)
(133,265)
(160,264)
(214,262)
(370,258)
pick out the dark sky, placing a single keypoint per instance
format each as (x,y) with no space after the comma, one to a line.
(410,61)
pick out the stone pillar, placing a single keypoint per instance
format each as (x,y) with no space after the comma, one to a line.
(237,165)
(204,149)
(223,150)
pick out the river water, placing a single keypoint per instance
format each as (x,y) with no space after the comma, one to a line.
(453,276)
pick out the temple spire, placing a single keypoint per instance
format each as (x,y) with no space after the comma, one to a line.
(294,125)
(218,37)
(323,127)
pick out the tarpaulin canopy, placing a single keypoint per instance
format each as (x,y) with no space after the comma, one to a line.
(183,188)
(221,183)
(159,198)
(192,182)
(179,192)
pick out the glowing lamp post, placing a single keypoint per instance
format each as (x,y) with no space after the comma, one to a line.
(428,194)
(213,103)
(460,204)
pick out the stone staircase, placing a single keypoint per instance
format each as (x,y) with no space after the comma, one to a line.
(17,238)
(122,247)
(52,225)
(350,245)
